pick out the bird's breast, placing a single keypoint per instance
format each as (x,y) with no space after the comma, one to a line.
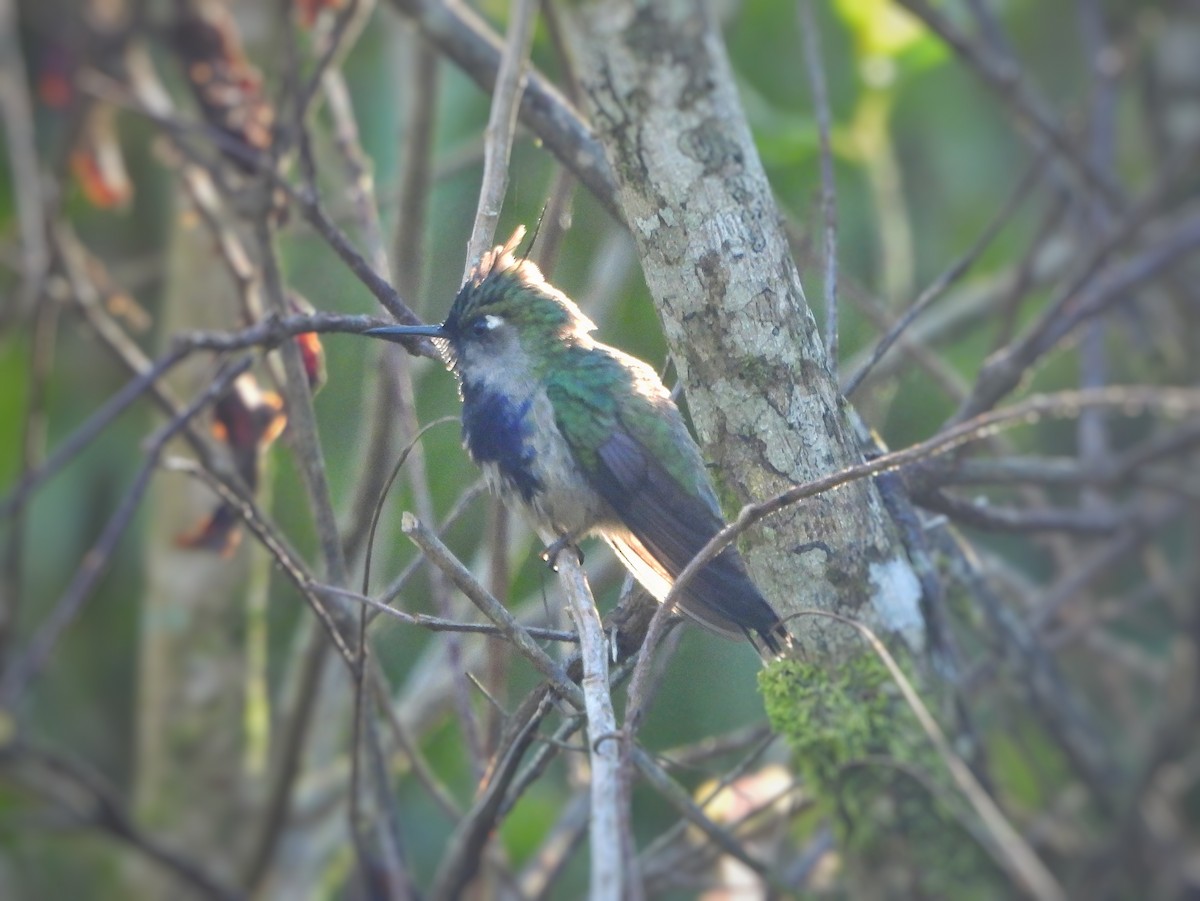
(517,444)
(498,434)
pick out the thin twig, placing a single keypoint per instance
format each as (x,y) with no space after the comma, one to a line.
(1169,401)
(293,740)
(1135,535)
(307,451)
(1093,293)
(679,830)
(465,38)
(302,421)
(270,332)
(463,504)
(1052,700)
(439,624)
(1029,521)
(341,39)
(33,449)
(107,813)
(609,806)
(1025,276)
(465,852)
(1038,470)
(1005,78)
(338,627)
(75,261)
(513,630)
(95,563)
(1092,427)
(405,411)
(974,302)
(951,275)
(502,120)
(418,480)
(815,65)
(21,141)
(543,869)
(386,487)
(421,86)
(416,759)
(678,797)
(306,199)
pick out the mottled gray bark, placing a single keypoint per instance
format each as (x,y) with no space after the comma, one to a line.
(659,90)
(661,96)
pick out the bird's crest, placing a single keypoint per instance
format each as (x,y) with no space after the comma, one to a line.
(499,258)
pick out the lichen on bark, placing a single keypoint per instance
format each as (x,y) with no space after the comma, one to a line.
(876,777)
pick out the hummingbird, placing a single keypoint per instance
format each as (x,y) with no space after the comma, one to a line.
(587,441)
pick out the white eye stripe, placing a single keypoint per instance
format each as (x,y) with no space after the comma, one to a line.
(492,321)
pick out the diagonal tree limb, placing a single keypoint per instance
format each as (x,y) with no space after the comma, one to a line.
(466,39)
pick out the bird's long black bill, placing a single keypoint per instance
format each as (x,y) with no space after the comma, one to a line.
(400,332)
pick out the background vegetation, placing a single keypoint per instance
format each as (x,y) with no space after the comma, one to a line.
(1020,175)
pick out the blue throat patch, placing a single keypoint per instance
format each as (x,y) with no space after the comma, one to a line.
(495,429)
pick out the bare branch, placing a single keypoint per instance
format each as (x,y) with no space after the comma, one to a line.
(492,609)
(22,157)
(956,271)
(1177,402)
(609,805)
(815,66)
(63,780)
(463,37)
(498,137)
(24,668)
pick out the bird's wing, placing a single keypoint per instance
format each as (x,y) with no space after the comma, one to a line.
(664,529)
(658,488)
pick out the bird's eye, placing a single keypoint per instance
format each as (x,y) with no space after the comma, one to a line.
(484,326)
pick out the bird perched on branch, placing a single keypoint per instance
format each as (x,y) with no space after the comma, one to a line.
(587,440)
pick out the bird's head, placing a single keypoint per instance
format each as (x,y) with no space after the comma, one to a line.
(506,323)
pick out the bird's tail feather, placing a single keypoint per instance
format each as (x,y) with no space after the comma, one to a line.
(770,638)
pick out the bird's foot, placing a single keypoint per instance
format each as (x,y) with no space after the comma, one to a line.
(550,554)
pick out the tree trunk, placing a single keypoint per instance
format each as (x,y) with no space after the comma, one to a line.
(661,96)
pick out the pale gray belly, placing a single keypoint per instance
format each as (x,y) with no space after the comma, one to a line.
(565,504)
